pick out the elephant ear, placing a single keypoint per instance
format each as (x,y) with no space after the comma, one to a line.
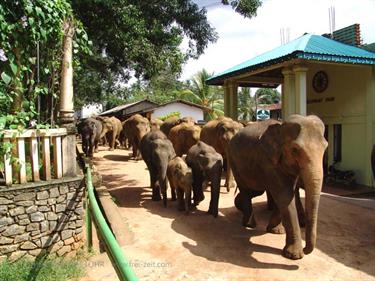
(271,142)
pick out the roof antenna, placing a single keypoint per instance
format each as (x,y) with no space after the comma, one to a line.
(332,20)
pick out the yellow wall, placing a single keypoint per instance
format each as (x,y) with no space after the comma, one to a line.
(350,86)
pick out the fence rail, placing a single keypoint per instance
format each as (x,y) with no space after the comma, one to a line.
(93,213)
(33,146)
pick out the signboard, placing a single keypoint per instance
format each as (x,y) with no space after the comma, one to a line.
(263,114)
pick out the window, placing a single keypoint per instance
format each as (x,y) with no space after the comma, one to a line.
(337,142)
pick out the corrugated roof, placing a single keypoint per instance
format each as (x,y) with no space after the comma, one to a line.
(124,106)
(309,47)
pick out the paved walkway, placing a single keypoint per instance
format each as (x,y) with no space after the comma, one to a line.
(168,245)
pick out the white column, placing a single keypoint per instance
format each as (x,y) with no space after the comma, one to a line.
(233,97)
(301,89)
(288,94)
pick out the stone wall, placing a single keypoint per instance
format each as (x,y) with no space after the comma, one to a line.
(41,217)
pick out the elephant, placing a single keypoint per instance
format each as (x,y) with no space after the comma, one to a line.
(207,166)
(170,122)
(90,130)
(184,136)
(274,156)
(155,123)
(136,127)
(180,179)
(112,127)
(218,133)
(157,150)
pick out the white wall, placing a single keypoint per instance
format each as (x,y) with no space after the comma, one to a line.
(184,109)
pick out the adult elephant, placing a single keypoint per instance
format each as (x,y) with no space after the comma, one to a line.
(274,157)
(206,165)
(156,151)
(112,128)
(136,127)
(218,133)
(155,123)
(90,130)
(184,136)
(172,121)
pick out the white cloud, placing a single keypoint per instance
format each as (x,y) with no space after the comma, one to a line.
(242,39)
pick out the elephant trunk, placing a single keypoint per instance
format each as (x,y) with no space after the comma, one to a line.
(313,180)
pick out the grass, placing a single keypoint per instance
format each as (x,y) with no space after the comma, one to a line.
(47,268)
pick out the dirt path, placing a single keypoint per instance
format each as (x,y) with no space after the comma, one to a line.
(169,245)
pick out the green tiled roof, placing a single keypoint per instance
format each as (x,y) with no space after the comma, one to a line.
(308,47)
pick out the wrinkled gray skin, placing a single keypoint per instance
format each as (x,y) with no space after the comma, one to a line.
(90,130)
(207,165)
(136,127)
(172,121)
(180,179)
(274,157)
(157,150)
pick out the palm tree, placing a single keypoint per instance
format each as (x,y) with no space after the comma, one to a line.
(246,104)
(200,93)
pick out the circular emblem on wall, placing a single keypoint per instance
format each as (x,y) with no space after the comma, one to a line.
(320,81)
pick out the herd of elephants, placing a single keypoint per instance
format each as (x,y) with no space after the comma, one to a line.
(277,157)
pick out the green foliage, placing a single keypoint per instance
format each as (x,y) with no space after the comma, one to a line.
(25,26)
(44,269)
(247,8)
(171,114)
(267,96)
(209,96)
(246,105)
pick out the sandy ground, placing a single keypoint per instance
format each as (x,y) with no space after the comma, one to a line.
(168,245)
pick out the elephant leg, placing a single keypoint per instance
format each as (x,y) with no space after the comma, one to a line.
(300,210)
(243,203)
(270,201)
(112,141)
(173,190)
(229,183)
(198,194)
(215,177)
(163,187)
(91,146)
(154,186)
(274,225)
(187,200)
(180,199)
(284,199)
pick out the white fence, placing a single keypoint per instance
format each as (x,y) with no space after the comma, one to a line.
(33,146)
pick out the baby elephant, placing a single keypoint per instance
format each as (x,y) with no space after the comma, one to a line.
(180,178)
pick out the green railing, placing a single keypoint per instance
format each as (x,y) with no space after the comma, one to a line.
(119,262)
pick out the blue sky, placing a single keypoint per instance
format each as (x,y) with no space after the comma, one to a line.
(241,39)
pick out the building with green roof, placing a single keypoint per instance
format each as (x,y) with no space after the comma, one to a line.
(318,76)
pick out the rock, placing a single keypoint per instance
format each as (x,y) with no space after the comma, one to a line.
(38,216)
(44,226)
(32,226)
(24,222)
(25,203)
(46,241)
(61,198)
(79,223)
(63,250)
(79,230)
(44,209)
(8,249)
(52,201)
(60,208)
(13,230)
(57,246)
(69,241)
(41,202)
(22,217)
(72,225)
(17,211)
(42,195)
(64,189)
(79,211)
(52,225)
(22,238)
(28,245)
(31,209)
(4,221)
(5,240)
(17,255)
(35,252)
(3,210)
(51,216)
(54,192)
(24,196)
(65,234)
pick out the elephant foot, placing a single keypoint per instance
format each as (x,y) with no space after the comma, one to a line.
(198,199)
(293,252)
(249,222)
(156,198)
(111,149)
(213,211)
(278,229)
